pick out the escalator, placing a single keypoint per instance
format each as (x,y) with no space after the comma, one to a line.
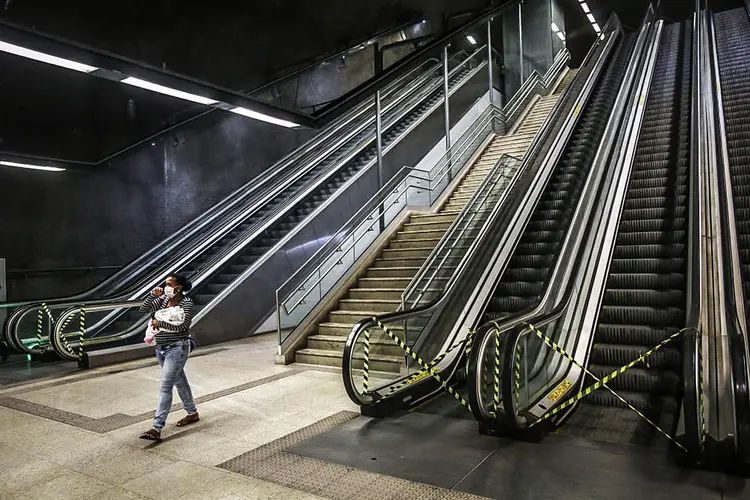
(394,128)
(733,49)
(645,298)
(239,237)
(523,281)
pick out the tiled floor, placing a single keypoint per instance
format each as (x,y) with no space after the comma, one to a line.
(85,443)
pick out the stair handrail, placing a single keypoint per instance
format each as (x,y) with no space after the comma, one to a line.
(504,210)
(733,299)
(156,277)
(509,110)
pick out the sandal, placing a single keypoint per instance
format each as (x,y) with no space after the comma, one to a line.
(151,435)
(190,419)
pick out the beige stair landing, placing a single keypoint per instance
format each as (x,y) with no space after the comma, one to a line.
(379,288)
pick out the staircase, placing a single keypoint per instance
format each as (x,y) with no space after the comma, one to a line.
(379,288)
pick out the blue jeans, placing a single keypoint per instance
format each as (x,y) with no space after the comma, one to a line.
(172,359)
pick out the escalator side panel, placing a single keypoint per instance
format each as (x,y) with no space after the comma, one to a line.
(645,298)
(523,281)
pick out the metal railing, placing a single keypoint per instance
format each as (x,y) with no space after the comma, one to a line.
(309,278)
(507,116)
(324,270)
(394,109)
(523,192)
(732,303)
(524,395)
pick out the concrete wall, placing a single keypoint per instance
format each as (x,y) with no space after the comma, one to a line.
(108,217)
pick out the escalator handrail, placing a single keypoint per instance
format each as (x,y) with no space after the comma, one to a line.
(523,93)
(218,209)
(16,317)
(316,262)
(693,434)
(733,292)
(556,114)
(548,310)
(243,240)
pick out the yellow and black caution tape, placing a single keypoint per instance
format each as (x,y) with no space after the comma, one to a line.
(40,321)
(366,362)
(63,336)
(81,332)
(425,372)
(603,381)
(425,366)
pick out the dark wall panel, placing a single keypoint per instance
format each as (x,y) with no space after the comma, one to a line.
(110,216)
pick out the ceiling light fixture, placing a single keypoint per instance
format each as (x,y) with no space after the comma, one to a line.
(590,16)
(555,28)
(260,116)
(45,58)
(161,89)
(560,36)
(31,167)
(471,39)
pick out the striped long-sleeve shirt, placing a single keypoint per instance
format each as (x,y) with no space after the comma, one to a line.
(169,333)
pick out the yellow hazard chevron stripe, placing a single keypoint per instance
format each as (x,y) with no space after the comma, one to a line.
(81,331)
(425,366)
(603,381)
(366,365)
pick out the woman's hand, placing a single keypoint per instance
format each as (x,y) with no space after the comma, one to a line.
(153,323)
(157,291)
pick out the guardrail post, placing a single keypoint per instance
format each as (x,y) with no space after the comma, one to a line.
(447,113)
(489,62)
(520,42)
(379,134)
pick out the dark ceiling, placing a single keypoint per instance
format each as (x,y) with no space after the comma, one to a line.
(234,44)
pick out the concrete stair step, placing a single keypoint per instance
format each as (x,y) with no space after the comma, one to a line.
(397,263)
(442,217)
(404,244)
(375,283)
(378,362)
(418,226)
(335,343)
(351,317)
(376,293)
(392,272)
(369,305)
(344,329)
(425,234)
(406,253)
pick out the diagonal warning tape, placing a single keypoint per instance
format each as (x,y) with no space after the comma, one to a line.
(432,370)
(603,381)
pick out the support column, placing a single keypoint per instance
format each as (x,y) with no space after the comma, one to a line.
(379,140)
(446,109)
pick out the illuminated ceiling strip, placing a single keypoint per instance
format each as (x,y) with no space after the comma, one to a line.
(260,116)
(136,82)
(161,89)
(45,58)
(31,167)
(471,39)
(590,16)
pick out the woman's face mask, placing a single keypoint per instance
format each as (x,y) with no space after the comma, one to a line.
(169,291)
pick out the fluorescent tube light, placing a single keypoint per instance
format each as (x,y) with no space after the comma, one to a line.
(161,89)
(591,18)
(597,28)
(560,36)
(45,58)
(585,7)
(471,39)
(555,28)
(262,117)
(31,167)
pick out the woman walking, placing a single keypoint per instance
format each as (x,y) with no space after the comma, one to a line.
(172,340)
